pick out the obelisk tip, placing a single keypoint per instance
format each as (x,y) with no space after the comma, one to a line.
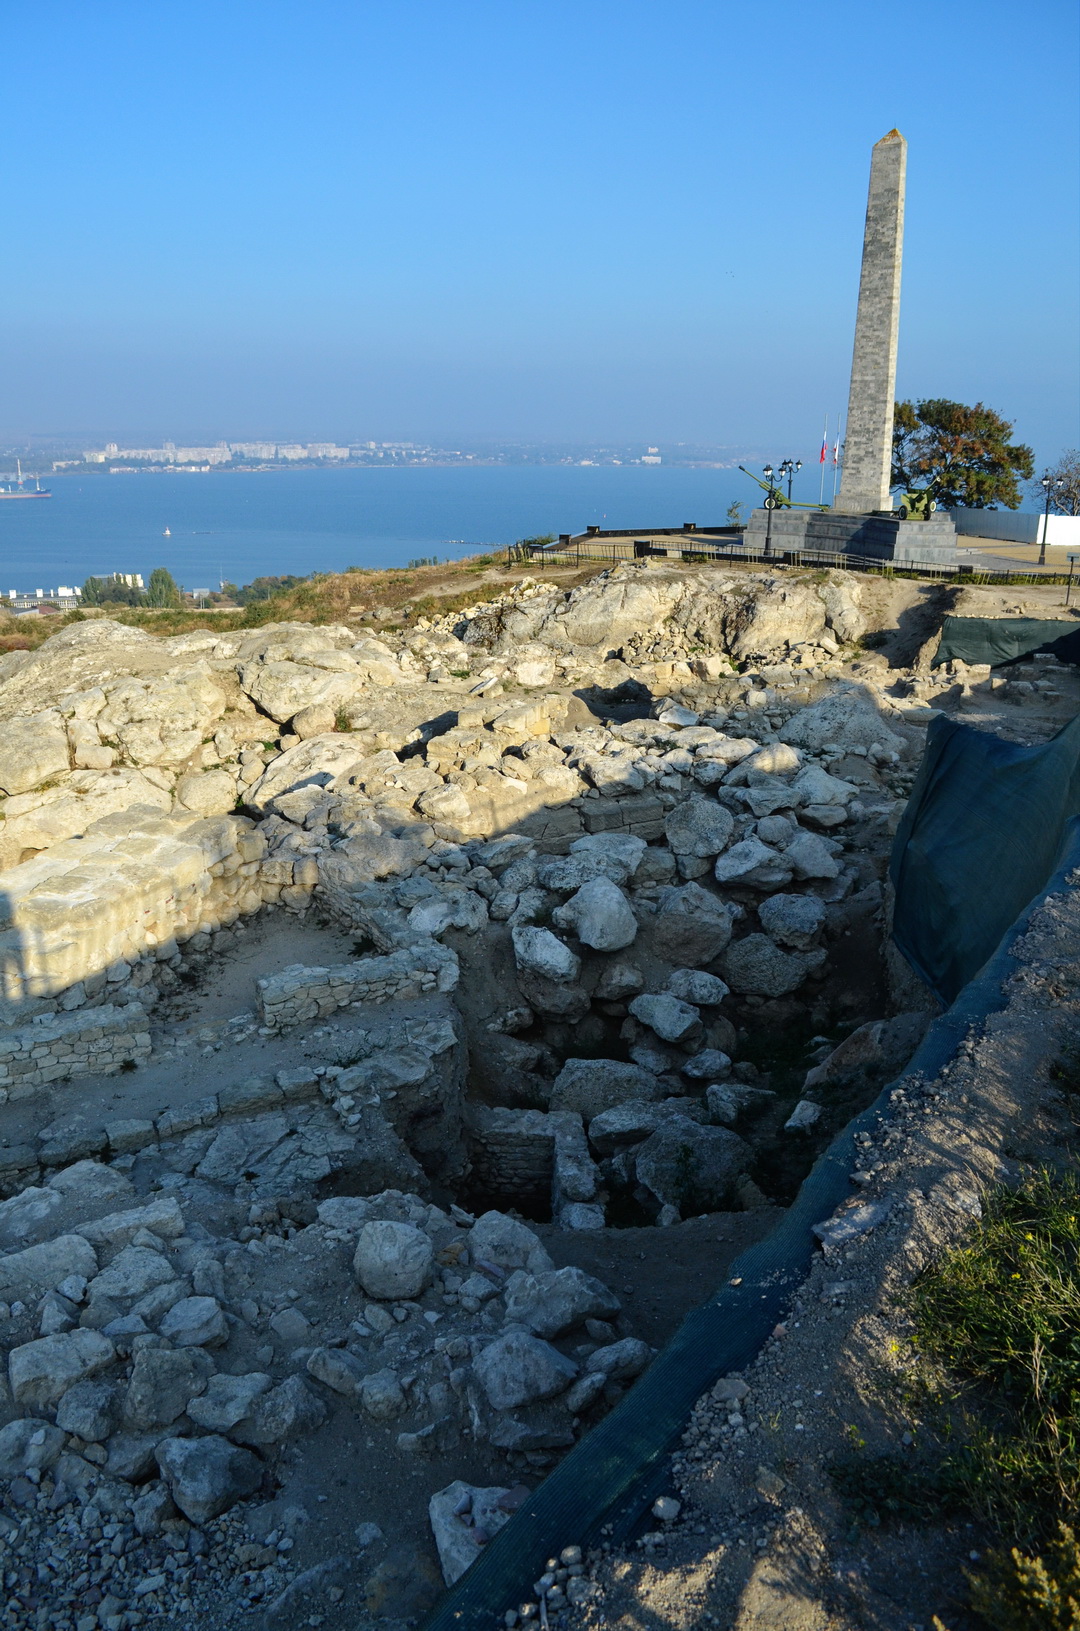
(891,136)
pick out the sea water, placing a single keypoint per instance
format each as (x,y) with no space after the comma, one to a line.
(233,526)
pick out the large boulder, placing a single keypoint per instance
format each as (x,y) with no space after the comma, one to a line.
(849,718)
(750,864)
(539,952)
(207,1475)
(29,1446)
(599,914)
(699,827)
(873,1052)
(794,921)
(672,1019)
(590,1086)
(755,966)
(41,1372)
(557,1301)
(519,1369)
(617,854)
(768,615)
(507,1243)
(163,1383)
(316,762)
(35,747)
(393,1260)
(282,689)
(689,1166)
(810,857)
(692,926)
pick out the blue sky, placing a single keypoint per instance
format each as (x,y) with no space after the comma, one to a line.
(539,220)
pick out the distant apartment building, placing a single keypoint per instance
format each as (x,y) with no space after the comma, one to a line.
(253,450)
(652,456)
(292,451)
(64,596)
(326,450)
(169,453)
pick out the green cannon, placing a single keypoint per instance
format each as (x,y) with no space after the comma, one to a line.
(917,504)
(775,497)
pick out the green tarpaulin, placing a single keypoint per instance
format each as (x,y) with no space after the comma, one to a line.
(1002,639)
(983,830)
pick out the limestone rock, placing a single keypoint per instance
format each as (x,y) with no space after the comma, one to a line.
(691,1167)
(756,966)
(509,1244)
(518,1369)
(873,1052)
(163,1382)
(815,786)
(132,1273)
(692,926)
(810,857)
(848,717)
(626,1124)
(590,1086)
(90,1410)
(753,865)
(35,747)
(381,1395)
(463,1518)
(599,914)
(699,826)
(711,1065)
(538,951)
(619,980)
(26,1275)
(393,1260)
(620,1361)
(195,1322)
(286,1412)
(618,855)
(693,985)
(552,1303)
(41,1372)
(793,920)
(207,1475)
(29,1446)
(210,793)
(671,1019)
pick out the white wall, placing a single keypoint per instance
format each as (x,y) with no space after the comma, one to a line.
(1018,526)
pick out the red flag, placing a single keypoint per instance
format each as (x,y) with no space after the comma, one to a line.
(824,449)
(836,452)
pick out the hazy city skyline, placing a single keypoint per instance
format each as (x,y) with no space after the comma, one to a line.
(595,224)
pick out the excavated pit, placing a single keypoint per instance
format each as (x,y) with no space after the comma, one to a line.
(605,956)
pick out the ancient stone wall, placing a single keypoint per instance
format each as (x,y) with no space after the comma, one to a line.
(87,921)
(301,993)
(55,1048)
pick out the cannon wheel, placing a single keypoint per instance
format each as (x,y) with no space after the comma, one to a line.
(770,503)
(931,507)
(903,512)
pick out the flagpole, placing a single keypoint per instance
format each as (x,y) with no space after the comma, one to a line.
(821,461)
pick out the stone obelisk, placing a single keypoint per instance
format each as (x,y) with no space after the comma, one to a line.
(864,484)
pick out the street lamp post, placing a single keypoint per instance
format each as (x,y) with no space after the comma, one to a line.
(770,505)
(1047,483)
(1072,562)
(790,470)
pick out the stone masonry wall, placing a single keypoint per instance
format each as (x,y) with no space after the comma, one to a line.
(56,1047)
(87,921)
(300,993)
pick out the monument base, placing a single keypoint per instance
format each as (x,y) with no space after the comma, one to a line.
(878,537)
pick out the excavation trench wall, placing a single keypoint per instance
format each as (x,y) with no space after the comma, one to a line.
(614,1474)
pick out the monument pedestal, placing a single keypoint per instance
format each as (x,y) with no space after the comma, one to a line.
(877,537)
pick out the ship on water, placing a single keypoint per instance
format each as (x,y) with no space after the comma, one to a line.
(19,489)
